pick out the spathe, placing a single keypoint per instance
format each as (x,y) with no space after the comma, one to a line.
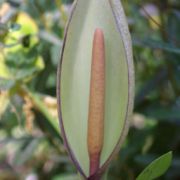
(73,82)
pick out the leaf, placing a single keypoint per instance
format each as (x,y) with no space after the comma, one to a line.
(28,27)
(14,27)
(23,65)
(6,84)
(157,168)
(74,78)
(154,44)
(4,101)
(161,112)
(150,85)
(26,151)
(4,72)
(50,123)
(173,28)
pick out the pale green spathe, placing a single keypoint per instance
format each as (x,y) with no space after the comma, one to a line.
(75,78)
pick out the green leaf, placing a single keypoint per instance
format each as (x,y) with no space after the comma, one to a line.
(6,84)
(14,27)
(154,44)
(27,26)
(26,151)
(23,65)
(157,168)
(4,101)
(52,122)
(161,112)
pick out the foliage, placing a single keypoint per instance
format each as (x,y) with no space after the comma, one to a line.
(31,34)
(157,168)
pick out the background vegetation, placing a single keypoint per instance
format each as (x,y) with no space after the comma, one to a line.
(31,33)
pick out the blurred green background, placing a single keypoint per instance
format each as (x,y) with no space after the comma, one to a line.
(31,33)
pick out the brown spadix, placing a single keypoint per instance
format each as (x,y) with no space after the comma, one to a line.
(96,101)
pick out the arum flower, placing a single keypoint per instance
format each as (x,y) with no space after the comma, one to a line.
(95,84)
